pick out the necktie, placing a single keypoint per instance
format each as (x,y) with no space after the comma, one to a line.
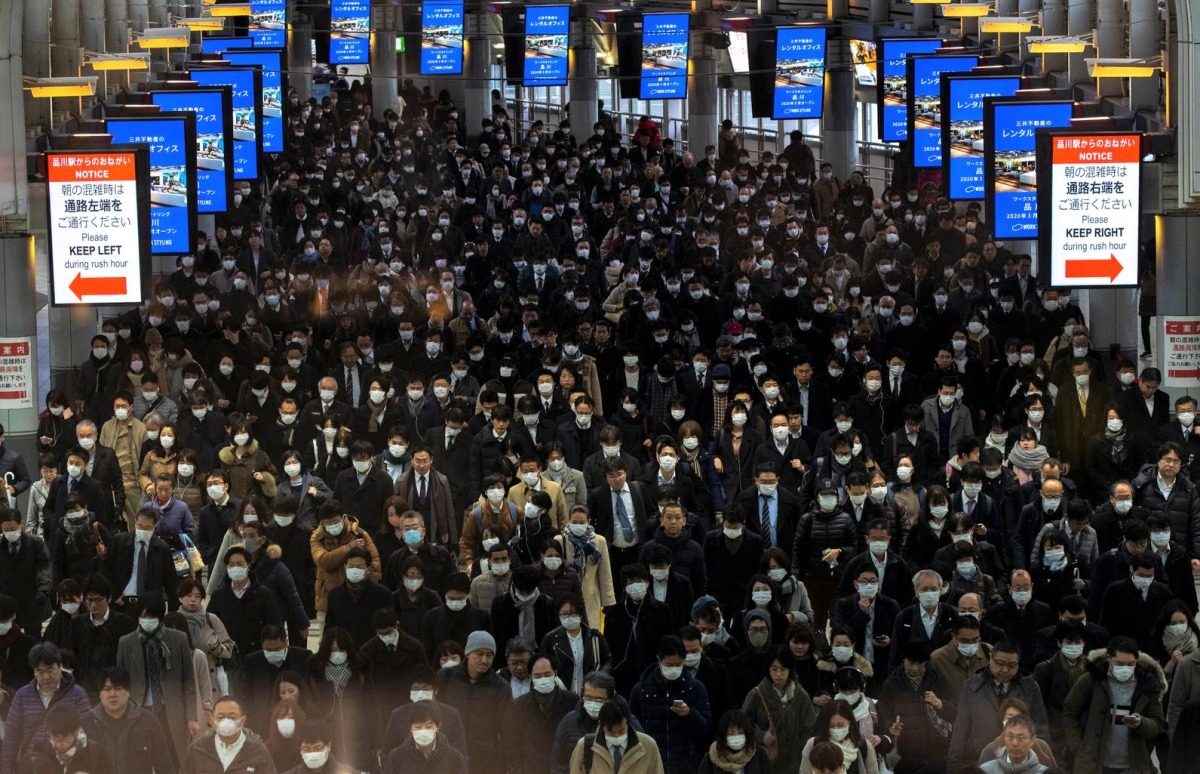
(70,485)
(617,754)
(141,569)
(421,488)
(766,520)
(351,387)
(895,386)
(539,284)
(970,507)
(623,517)
(1083,402)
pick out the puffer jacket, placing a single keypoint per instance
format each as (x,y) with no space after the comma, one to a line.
(241,470)
(270,571)
(676,736)
(1182,507)
(816,532)
(329,554)
(26,720)
(1087,722)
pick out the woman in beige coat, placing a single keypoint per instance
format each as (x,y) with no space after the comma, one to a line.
(163,457)
(587,552)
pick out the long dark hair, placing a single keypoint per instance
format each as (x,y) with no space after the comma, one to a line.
(840,708)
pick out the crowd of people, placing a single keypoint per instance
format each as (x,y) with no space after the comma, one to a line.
(518,450)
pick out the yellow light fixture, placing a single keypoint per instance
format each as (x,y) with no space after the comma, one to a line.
(999,24)
(1051,44)
(966,10)
(164,37)
(1122,68)
(201,23)
(230,9)
(130,61)
(929,2)
(80,86)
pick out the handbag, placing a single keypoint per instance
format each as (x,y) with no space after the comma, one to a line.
(771,739)
(188,560)
(101,549)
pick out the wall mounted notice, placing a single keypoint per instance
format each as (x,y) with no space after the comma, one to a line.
(17,384)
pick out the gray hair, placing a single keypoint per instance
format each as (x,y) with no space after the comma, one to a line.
(928,574)
(602,680)
(86,424)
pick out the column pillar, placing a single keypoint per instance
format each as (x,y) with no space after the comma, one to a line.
(702,93)
(1110,39)
(477,87)
(839,131)
(65,58)
(880,11)
(582,88)
(35,51)
(1174,267)
(1145,40)
(1054,23)
(384,87)
(91,37)
(116,37)
(299,52)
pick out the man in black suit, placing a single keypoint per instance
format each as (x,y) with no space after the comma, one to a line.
(904,387)
(787,455)
(326,402)
(262,668)
(972,501)
(671,588)
(814,398)
(927,621)
(1145,407)
(352,377)
(76,481)
(593,464)
(1183,430)
(621,512)
(103,468)
(450,443)
(139,563)
(537,427)
(913,440)
(772,512)
(871,615)
(95,634)
(24,571)
(363,488)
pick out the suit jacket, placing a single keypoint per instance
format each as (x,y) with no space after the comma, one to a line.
(986,513)
(1074,428)
(160,568)
(1173,431)
(106,471)
(820,404)
(910,628)
(56,503)
(440,504)
(788,513)
(960,424)
(910,389)
(364,501)
(177,679)
(1143,422)
(558,507)
(847,613)
(600,503)
(454,459)
(365,375)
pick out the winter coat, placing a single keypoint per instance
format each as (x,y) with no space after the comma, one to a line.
(270,572)
(747,761)
(923,745)
(407,758)
(641,756)
(353,612)
(978,718)
(1182,507)
(241,470)
(793,721)
(816,532)
(253,758)
(596,655)
(329,554)
(597,581)
(244,617)
(177,679)
(1087,721)
(533,729)
(26,720)
(139,745)
(651,701)
(484,706)
(506,617)
(687,557)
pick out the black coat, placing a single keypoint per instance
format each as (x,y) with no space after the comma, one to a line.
(596,655)
(106,471)
(506,617)
(1022,625)
(787,517)
(534,728)
(364,501)
(730,571)
(441,624)
(604,519)
(353,612)
(1124,612)
(255,683)
(160,568)
(909,628)
(55,508)
(245,617)
(632,654)
(847,613)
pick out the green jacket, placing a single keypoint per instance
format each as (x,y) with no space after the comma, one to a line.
(1086,720)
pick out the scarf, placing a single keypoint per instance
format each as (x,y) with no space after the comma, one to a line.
(585,551)
(1031,460)
(725,759)
(154,641)
(787,694)
(525,615)
(849,750)
(339,675)
(196,622)
(376,412)
(1185,642)
(862,708)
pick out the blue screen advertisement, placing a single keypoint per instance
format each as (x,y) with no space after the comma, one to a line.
(1011,136)
(221,45)
(212,187)
(350,32)
(664,56)
(546,31)
(272,93)
(924,104)
(892,56)
(442,39)
(268,23)
(242,83)
(172,193)
(962,130)
(799,72)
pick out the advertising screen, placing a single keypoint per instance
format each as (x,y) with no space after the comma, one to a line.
(664,56)
(863,53)
(892,56)
(244,83)
(963,142)
(214,163)
(172,181)
(1010,147)
(268,23)
(799,72)
(925,104)
(350,32)
(221,45)
(271,63)
(546,44)
(442,39)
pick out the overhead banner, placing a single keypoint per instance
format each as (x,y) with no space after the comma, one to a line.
(171,140)
(547,28)
(963,142)
(271,63)
(925,104)
(98,211)
(350,32)
(892,56)
(664,56)
(1010,161)
(214,151)
(799,72)
(245,86)
(1090,207)
(268,23)
(442,39)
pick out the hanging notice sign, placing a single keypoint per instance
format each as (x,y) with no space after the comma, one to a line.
(16,373)
(1181,352)
(99,222)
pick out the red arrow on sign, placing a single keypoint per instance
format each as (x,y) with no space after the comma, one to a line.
(97,286)
(1094,268)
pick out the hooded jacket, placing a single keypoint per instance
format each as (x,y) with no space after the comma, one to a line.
(201,757)
(1087,721)
(329,554)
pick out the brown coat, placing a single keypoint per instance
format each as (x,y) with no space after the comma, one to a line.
(241,470)
(329,554)
(156,462)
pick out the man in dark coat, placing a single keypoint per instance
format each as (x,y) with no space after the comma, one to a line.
(482,698)
(353,604)
(24,570)
(364,488)
(536,716)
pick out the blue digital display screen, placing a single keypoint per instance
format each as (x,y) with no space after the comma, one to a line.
(442,39)
(799,72)
(664,56)
(212,186)
(268,23)
(272,93)
(350,32)
(1011,138)
(547,28)
(245,115)
(962,131)
(925,104)
(221,45)
(172,192)
(892,56)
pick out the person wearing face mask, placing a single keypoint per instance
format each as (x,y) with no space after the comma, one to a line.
(674,707)
(337,688)
(825,541)
(870,615)
(227,738)
(1021,616)
(1132,606)
(33,717)
(97,383)
(159,661)
(425,745)
(1114,711)
(331,542)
